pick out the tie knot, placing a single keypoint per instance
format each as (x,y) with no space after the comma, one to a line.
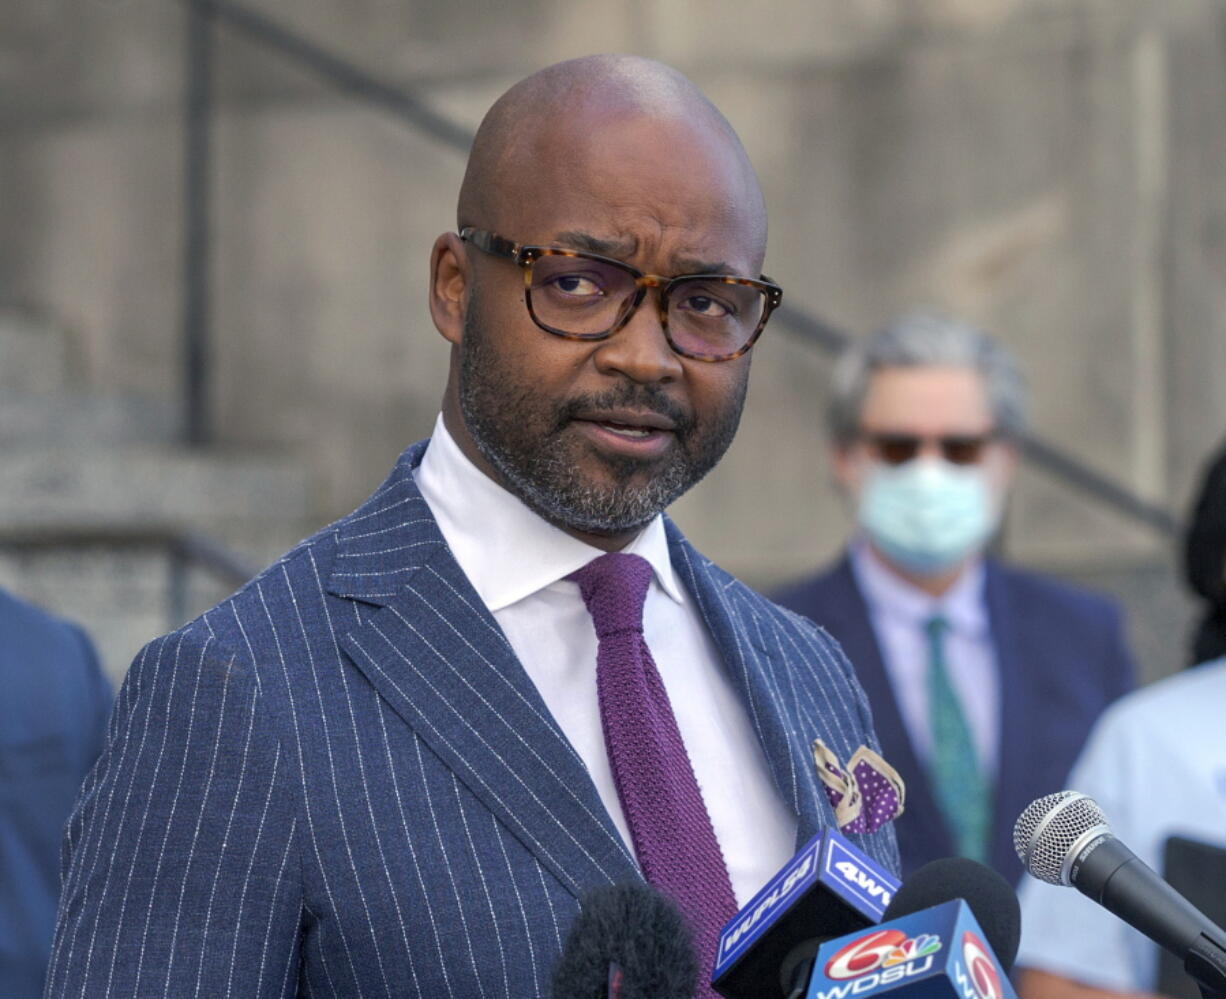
(936,626)
(614,588)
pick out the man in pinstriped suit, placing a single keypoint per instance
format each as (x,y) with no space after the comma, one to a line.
(379,768)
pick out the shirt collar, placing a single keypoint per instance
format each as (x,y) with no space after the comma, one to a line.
(963,606)
(507,551)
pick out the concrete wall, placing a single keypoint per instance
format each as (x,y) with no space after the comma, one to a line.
(1050,169)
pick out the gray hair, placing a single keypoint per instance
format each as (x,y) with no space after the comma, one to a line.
(925,340)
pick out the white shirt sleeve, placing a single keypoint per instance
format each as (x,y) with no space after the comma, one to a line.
(1067,934)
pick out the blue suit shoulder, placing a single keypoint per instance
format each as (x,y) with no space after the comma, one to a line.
(1054,595)
(1087,627)
(245,620)
(801,595)
(51,677)
(52,722)
(37,634)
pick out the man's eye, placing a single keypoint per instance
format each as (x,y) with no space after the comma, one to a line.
(706,306)
(579,285)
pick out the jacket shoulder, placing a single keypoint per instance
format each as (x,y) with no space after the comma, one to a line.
(39,643)
(803,594)
(31,619)
(1027,587)
(228,630)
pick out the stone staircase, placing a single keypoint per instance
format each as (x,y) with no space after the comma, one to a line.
(95,486)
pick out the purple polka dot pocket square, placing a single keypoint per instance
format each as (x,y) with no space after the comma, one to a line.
(865,794)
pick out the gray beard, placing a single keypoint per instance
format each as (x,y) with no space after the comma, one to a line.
(542,470)
(549,484)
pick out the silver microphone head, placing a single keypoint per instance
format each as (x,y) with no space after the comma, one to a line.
(1052,832)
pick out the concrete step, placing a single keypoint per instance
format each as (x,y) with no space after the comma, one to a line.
(210,490)
(65,417)
(89,532)
(34,354)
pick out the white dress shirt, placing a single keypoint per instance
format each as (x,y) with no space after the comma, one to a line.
(517,562)
(898,612)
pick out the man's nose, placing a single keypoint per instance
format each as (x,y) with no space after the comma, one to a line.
(639,350)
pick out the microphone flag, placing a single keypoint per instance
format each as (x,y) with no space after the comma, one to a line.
(937,953)
(829,888)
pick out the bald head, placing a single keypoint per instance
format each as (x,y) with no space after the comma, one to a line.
(554,116)
(620,158)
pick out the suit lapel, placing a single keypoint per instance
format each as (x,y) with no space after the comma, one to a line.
(757,675)
(923,822)
(1010,643)
(439,659)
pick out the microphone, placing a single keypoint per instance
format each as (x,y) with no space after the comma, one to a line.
(828,889)
(991,899)
(628,942)
(940,938)
(1065,839)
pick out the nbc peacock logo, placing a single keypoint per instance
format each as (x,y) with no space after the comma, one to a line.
(881,950)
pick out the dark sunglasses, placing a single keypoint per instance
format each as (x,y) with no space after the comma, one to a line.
(957,449)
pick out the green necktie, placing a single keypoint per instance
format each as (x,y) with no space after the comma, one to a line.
(961,789)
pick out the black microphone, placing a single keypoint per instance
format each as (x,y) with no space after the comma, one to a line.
(828,889)
(990,897)
(628,942)
(1065,839)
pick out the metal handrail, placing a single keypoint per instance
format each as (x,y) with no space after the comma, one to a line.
(340,73)
(350,79)
(184,547)
(197,167)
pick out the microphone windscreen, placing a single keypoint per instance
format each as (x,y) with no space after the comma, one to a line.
(1049,832)
(636,929)
(991,898)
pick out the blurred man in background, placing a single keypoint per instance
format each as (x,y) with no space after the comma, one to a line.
(983,678)
(1156,763)
(52,724)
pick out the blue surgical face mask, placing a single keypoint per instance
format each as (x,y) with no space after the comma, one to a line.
(927,515)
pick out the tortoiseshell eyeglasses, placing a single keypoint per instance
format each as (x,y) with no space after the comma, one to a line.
(583,296)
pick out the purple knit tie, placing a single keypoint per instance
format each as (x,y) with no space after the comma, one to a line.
(669,824)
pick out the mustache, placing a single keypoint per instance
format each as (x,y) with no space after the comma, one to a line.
(632,396)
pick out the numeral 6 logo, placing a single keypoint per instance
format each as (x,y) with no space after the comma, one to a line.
(981,967)
(864,955)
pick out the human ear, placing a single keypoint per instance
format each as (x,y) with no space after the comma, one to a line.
(1011,457)
(449,280)
(846,467)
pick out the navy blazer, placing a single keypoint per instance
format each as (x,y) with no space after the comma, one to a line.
(1062,659)
(54,703)
(341,781)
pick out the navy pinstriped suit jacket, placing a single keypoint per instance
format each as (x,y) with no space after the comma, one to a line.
(341,782)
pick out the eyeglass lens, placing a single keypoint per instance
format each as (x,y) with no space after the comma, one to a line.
(586,297)
(898,449)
